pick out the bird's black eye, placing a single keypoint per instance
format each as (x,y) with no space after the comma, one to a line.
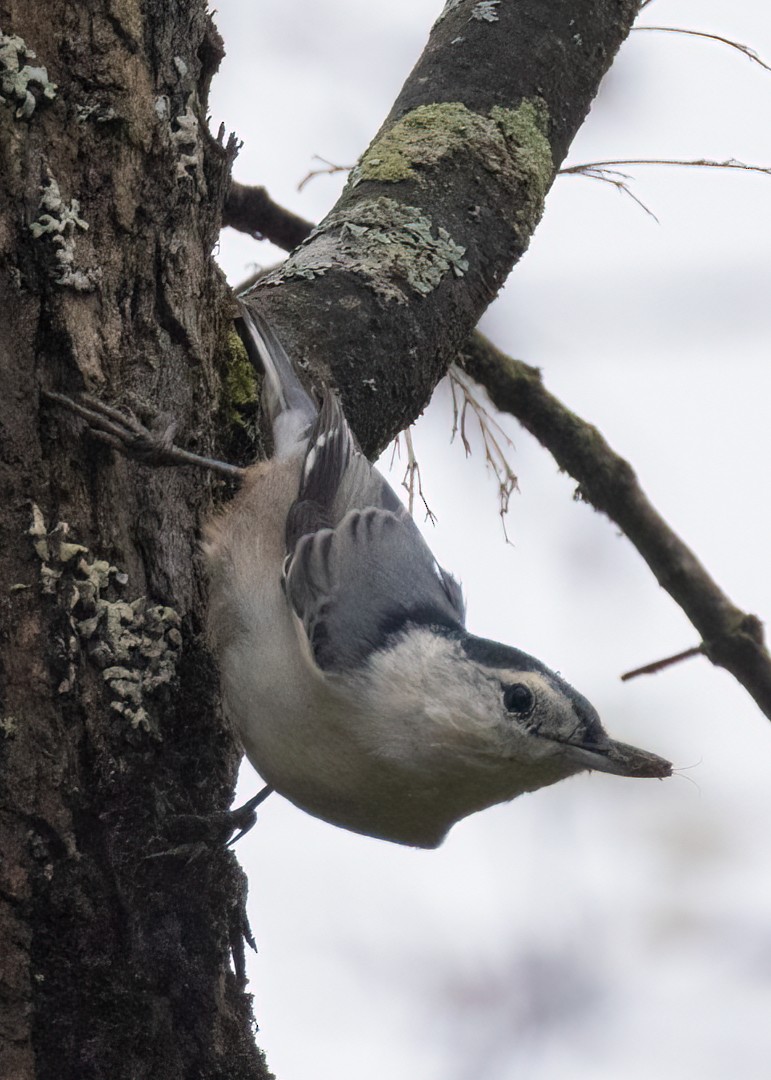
(518,699)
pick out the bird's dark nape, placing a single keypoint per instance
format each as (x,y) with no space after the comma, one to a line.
(493,654)
(403,618)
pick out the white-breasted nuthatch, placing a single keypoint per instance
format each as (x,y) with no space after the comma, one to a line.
(345,664)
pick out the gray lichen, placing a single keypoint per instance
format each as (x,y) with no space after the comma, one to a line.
(22,83)
(96,112)
(8,726)
(135,644)
(39,534)
(60,222)
(186,138)
(485,11)
(395,248)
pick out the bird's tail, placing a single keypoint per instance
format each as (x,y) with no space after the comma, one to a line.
(290,408)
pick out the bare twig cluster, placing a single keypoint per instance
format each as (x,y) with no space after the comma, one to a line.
(610,173)
(497,444)
(411,481)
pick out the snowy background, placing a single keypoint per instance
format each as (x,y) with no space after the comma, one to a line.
(603,928)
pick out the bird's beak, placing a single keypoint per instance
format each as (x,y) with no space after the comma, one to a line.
(617,757)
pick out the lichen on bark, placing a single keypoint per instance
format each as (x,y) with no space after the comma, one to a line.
(396,249)
(510,143)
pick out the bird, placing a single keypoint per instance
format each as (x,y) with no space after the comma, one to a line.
(345,664)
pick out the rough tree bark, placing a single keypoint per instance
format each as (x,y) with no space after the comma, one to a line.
(114,963)
(115,948)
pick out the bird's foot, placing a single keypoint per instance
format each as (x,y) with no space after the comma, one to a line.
(123,431)
(195,834)
(244,817)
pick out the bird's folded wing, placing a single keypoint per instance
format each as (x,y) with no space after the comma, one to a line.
(354,586)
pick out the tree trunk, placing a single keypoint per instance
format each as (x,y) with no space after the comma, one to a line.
(115,956)
(116,937)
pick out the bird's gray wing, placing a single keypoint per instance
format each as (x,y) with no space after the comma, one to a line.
(355,585)
(336,477)
(357,567)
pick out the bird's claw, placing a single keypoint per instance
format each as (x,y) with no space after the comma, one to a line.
(121,429)
(244,817)
(194,833)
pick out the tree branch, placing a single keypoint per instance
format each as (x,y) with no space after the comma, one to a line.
(251,210)
(731,638)
(442,204)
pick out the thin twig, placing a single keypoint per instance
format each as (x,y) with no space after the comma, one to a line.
(328,171)
(659,665)
(700,163)
(744,49)
(412,478)
(730,637)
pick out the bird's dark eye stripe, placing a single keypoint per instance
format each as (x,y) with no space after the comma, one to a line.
(518,698)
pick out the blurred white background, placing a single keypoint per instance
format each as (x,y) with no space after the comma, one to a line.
(602,928)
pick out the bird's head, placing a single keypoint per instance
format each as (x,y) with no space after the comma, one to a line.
(540,717)
(478,723)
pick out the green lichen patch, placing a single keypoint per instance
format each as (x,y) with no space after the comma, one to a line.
(240,379)
(422,138)
(524,130)
(397,249)
(511,143)
(240,392)
(22,83)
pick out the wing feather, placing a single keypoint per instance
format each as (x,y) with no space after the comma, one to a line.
(357,569)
